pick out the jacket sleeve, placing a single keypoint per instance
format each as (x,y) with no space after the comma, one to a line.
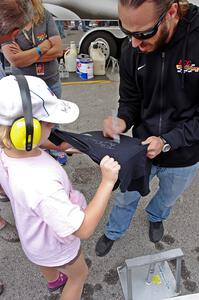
(130,96)
(185,134)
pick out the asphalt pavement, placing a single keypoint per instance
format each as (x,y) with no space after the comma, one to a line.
(23,280)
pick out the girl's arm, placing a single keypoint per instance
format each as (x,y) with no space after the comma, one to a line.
(61,147)
(96,208)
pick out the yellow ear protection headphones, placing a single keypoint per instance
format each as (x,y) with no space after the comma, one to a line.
(25,132)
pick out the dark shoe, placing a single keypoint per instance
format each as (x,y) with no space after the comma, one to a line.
(9,233)
(1,287)
(103,246)
(156,231)
(3,198)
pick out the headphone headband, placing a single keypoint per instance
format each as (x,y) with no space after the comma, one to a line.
(27,109)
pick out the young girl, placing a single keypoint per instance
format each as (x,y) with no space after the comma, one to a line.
(35,51)
(51,217)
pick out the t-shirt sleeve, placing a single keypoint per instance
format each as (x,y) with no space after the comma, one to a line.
(51,27)
(61,215)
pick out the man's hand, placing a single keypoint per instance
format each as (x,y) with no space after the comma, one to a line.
(155,145)
(113,126)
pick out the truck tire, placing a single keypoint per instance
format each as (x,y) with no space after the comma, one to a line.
(105,41)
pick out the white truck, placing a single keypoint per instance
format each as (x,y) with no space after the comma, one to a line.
(109,38)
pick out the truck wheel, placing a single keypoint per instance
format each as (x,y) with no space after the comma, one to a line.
(105,41)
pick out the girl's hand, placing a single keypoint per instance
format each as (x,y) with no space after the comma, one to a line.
(72,150)
(110,169)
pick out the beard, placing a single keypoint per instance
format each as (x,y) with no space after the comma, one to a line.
(147,47)
(164,34)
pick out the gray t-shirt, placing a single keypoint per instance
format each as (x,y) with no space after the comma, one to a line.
(41,31)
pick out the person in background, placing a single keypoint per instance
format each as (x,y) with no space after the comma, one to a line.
(8,231)
(84,24)
(159,90)
(2,59)
(76,23)
(60,27)
(15,14)
(35,50)
(51,217)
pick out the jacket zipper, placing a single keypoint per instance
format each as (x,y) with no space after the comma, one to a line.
(161,92)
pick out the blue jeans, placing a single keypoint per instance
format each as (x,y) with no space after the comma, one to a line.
(60,27)
(172,183)
(56,89)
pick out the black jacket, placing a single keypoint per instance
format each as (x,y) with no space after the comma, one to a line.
(159,93)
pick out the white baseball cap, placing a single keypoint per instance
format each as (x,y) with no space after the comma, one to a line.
(45,105)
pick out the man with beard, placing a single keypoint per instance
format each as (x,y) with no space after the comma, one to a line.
(159,90)
(15,14)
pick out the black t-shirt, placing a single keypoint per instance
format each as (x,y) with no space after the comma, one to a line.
(130,153)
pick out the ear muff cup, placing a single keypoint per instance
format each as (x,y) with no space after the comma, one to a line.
(18,133)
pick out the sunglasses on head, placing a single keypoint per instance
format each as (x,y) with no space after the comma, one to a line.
(146,34)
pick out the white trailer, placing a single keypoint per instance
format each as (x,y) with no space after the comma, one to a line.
(109,38)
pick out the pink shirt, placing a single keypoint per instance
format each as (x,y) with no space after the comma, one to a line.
(46,208)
